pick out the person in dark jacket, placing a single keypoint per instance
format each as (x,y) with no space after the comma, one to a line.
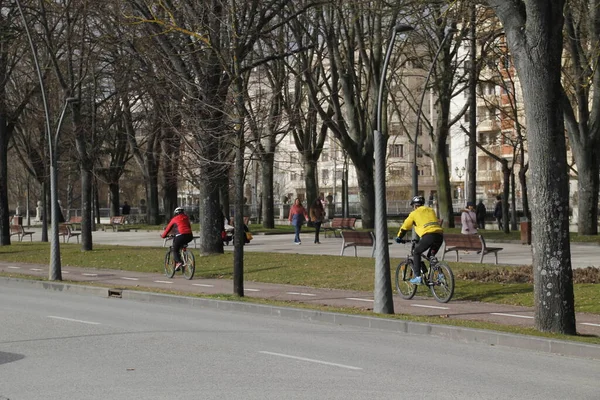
(180,227)
(480,212)
(498,212)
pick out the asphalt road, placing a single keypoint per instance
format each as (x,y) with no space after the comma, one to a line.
(57,345)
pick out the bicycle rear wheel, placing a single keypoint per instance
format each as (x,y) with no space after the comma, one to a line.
(404,274)
(442,282)
(169,265)
(189,264)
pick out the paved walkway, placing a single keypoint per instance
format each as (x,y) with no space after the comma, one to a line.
(512,254)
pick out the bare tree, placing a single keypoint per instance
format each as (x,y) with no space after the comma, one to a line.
(581,104)
(535,39)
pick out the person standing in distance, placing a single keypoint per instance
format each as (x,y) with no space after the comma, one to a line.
(317,214)
(480,212)
(498,211)
(126,209)
(427,228)
(181,228)
(468,220)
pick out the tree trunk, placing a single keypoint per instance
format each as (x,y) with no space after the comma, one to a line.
(366,192)
(587,192)
(505,196)
(268,206)
(238,242)
(524,190)
(86,208)
(513,201)
(310,180)
(4,211)
(115,208)
(211,217)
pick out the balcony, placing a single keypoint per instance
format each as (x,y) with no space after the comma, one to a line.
(489,176)
(488,125)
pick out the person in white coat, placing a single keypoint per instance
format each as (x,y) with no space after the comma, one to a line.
(468,220)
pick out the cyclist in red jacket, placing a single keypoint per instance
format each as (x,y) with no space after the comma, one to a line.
(181,228)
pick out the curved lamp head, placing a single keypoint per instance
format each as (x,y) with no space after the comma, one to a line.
(399,28)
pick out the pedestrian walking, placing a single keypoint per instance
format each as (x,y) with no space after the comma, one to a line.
(468,220)
(297,217)
(126,209)
(480,212)
(317,214)
(498,211)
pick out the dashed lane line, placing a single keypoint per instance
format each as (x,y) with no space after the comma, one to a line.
(589,324)
(252,290)
(511,315)
(11,267)
(359,299)
(301,294)
(130,279)
(426,306)
(74,320)
(163,282)
(87,274)
(202,285)
(35,269)
(311,360)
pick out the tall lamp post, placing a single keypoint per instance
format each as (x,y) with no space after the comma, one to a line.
(415,175)
(384,303)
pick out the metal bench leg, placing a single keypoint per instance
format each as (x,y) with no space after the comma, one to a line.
(355,253)
(481,259)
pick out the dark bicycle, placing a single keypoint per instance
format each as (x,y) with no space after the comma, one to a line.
(187,268)
(439,277)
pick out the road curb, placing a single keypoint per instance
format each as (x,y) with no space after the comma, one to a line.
(465,335)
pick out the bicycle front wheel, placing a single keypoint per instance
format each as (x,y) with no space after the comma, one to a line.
(404,274)
(169,265)
(442,282)
(189,264)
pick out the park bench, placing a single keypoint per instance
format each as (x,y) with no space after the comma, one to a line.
(458,242)
(117,223)
(20,232)
(75,222)
(67,233)
(357,238)
(336,225)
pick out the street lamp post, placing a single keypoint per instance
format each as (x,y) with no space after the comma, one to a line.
(383,303)
(460,172)
(415,175)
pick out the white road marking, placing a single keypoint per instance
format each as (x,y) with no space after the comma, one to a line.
(35,269)
(425,306)
(86,274)
(14,267)
(163,282)
(512,315)
(252,290)
(310,360)
(357,299)
(65,272)
(202,284)
(589,324)
(301,294)
(130,279)
(74,320)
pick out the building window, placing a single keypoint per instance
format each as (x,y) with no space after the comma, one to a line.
(324,175)
(293,176)
(397,172)
(397,150)
(325,156)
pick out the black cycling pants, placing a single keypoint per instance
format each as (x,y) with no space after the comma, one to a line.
(431,241)
(178,242)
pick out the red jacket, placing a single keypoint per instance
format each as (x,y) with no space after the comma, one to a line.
(180,224)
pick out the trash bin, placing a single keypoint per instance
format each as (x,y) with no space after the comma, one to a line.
(17,220)
(525,232)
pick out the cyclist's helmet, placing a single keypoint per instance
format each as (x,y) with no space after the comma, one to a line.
(418,200)
(178,210)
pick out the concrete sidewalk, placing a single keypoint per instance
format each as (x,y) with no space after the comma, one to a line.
(512,254)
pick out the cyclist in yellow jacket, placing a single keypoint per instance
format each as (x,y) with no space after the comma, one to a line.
(427,228)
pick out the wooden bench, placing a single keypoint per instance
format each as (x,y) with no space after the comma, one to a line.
(357,238)
(336,225)
(457,242)
(75,222)
(20,232)
(67,233)
(117,223)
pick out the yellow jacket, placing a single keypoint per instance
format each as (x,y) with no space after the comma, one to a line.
(424,220)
